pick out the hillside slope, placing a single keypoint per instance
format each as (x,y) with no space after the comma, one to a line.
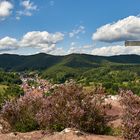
(44,61)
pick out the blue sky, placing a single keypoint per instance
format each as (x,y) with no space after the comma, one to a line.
(97,27)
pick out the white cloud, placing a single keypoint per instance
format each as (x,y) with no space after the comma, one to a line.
(42,40)
(28,5)
(48,49)
(125,29)
(55,51)
(116,50)
(75,32)
(45,41)
(28,8)
(87,46)
(5,9)
(8,43)
(75,48)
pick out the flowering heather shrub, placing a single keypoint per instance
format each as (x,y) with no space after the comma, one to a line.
(67,106)
(131,117)
(70,106)
(20,113)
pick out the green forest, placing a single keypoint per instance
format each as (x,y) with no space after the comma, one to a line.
(112,78)
(113,72)
(9,86)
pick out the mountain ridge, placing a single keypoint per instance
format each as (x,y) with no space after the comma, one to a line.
(43,61)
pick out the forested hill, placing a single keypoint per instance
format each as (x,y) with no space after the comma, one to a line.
(43,61)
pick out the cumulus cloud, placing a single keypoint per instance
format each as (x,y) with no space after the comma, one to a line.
(5,9)
(43,40)
(48,49)
(55,51)
(8,43)
(125,29)
(116,50)
(28,8)
(75,32)
(77,48)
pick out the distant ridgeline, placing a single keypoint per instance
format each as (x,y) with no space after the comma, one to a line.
(132,43)
(11,62)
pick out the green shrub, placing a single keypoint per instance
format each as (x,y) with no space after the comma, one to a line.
(10,92)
